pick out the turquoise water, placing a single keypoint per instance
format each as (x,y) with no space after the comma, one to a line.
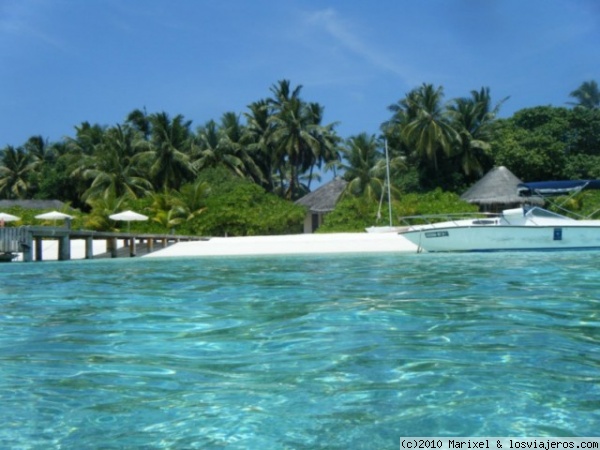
(332,352)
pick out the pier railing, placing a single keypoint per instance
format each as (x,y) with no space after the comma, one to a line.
(28,241)
(11,239)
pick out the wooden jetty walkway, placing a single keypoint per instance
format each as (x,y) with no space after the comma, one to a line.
(28,241)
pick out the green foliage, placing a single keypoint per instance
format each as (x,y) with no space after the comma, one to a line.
(241,208)
(546,143)
(432,144)
(351,214)
(27,217)
(434,202)
(354,214)
(586,204)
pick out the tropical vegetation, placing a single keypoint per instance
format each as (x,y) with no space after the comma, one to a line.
(241,173)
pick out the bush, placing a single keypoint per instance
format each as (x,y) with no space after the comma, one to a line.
(354,214)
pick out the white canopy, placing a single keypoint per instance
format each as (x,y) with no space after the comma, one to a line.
(53,215)
(128,216)
(5,217)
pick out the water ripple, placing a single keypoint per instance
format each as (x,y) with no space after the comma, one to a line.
(298,352)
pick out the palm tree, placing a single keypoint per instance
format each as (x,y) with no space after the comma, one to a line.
(102,207)
(294,135)
(472,118)
(429,131)
(16,166)
(190,202)
(233,142)
(163,211)
(139,121)
(113,167)
(328,151)
(79,156)
(260,147)
(168,158)
(587,95)
(364,169)
(39,149)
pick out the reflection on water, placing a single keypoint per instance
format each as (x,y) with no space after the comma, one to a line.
(298,352)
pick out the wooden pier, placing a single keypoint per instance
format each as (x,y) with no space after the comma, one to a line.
(28,240)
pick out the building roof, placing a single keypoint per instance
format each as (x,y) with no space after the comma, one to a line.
(324,198)
(498,186)
(33,204)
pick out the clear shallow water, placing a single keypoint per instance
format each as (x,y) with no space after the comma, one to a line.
(297,352)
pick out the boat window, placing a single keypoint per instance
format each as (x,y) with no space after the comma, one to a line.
(484,222)
(540,212)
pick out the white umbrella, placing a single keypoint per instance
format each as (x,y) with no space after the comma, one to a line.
(128,216)
(53,215)
(5,217)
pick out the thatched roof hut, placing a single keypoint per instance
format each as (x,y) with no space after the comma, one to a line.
(320,202)
(497,190)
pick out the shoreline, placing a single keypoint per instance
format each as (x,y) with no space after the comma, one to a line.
(290,245)
(295,244)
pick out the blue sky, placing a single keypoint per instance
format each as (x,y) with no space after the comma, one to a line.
(68,61)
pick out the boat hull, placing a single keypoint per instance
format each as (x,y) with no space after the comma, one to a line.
(505,238)
(7,257)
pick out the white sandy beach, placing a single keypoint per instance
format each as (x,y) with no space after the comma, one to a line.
(255,245)
(290,244)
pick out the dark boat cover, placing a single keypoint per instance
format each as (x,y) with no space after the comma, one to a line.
(556,187)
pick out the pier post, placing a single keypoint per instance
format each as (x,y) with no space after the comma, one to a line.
(150,248)
(38,249)
(132,247)
(111,244)
(64,248)
(89,247)
(27,247)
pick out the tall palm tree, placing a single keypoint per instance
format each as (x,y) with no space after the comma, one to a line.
(16,166)
(139,120)
(294,135)
(260,146)
(328,150)
(362,166)
(168,159)
(79,155)
(587,95)
(472,118)
(430,130)
(234,142)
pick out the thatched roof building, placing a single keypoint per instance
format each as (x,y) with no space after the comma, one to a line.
(497,190)
(33,204)
(320,202)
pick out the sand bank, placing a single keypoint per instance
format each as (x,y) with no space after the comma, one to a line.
(290,244)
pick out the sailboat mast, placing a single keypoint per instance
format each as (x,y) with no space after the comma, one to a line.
(387,165)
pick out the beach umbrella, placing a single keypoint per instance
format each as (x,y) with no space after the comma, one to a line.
(128,216)
(5,217)
(53,215)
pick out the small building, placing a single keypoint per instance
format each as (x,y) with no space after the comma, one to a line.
(321,201)
(33,204)
(497,190)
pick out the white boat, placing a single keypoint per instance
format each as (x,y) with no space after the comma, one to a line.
(526,228)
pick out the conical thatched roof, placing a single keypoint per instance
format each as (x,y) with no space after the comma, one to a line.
(497,187)
(324,198)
